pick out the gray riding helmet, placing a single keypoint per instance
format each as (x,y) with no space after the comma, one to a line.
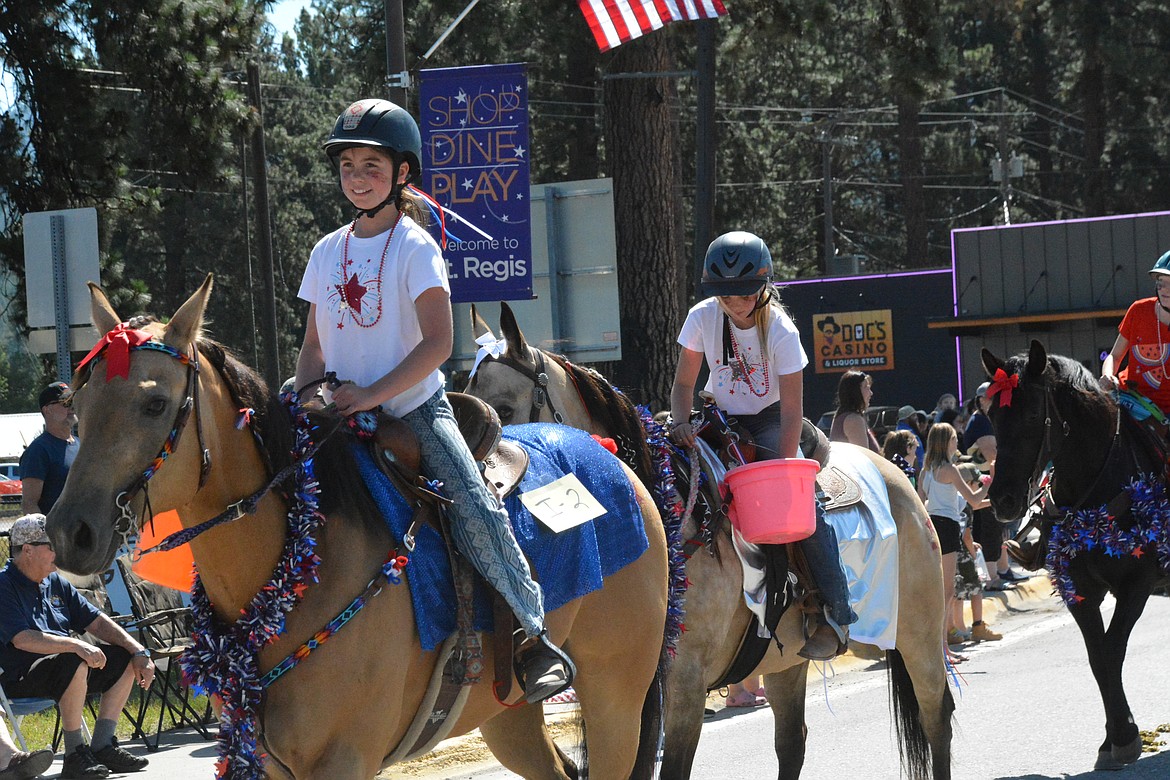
(737,263)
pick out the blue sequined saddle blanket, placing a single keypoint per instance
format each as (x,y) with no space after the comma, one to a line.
(568,565)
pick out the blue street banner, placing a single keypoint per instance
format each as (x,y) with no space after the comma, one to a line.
(475,149)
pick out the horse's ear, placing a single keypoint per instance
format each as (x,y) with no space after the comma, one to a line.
(479,326)
(184,327)
(517,346)
(1037,360)
(101,312)
(990,362)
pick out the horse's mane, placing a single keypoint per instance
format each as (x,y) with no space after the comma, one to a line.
(342,488)
(614,412)
(1066,374)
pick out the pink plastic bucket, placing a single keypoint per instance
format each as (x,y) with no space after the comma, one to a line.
(772,500)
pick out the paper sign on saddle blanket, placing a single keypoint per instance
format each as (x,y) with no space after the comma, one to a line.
(562,504)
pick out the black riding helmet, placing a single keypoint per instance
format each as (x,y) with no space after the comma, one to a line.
(737,263)
(380,124)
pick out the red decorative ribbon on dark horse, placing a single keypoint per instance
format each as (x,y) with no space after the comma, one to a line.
(1003,383)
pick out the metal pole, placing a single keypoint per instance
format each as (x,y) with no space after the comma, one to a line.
(704,147)
(264,232)
(1004,185)
(60,296)
(397,78)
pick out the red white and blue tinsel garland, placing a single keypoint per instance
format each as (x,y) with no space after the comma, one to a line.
(1090,529)
(670,506)
(223,659)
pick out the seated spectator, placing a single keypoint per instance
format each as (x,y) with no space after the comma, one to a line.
(40,613)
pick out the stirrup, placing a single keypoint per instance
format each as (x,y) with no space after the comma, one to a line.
(841,633)
(543,646)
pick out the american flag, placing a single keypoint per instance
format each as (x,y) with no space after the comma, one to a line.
(614,22)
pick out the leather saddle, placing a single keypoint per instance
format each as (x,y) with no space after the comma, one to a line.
(503,463)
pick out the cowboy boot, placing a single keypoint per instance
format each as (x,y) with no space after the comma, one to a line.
(543,669)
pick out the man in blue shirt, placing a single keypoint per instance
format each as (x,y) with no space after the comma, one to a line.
(45,463)
(40,611)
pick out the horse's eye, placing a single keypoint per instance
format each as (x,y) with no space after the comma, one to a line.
(506,413)
(156,406)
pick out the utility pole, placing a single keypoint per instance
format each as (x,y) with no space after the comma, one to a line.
(397,77)
(704,147)
(1005,186)
(264,225)
(827,173)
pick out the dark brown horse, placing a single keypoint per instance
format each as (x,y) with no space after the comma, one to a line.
(716,617)
(348,705)
(1105,531)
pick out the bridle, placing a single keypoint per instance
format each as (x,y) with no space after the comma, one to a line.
(1048,451)
(127,522)
(539,377)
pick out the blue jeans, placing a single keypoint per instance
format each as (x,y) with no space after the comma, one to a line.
(479,525)
(820,549)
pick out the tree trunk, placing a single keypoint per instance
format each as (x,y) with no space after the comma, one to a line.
(910,170)
(1093,108)
(641,137)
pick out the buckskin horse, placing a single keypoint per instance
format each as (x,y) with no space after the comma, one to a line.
(1105,507)
(524,383)
(345,708)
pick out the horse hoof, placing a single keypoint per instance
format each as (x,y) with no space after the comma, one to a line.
(1127,754)
(1107,763)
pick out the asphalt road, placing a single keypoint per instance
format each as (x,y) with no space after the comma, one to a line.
(1027,709)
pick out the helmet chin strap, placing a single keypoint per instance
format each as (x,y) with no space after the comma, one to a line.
(766,298)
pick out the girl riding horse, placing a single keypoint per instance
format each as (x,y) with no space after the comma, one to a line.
(753,352)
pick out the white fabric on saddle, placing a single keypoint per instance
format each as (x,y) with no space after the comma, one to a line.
(868,539)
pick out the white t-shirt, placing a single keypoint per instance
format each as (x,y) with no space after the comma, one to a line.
(366,318)
(749,383)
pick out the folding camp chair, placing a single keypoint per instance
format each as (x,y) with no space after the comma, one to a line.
(16,710)
(163,625)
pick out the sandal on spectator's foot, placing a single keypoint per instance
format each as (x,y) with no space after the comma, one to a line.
(745,699)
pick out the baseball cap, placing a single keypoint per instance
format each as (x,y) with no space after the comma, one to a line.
(58,391)
(982,390)
(26,530)
(905,411)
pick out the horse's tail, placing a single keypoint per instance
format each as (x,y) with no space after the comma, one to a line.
(913,744)
(650,733)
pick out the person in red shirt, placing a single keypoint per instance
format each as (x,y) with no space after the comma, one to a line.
(1144,340)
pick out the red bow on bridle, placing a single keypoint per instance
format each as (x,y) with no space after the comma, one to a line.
(116,344)
(1003,383)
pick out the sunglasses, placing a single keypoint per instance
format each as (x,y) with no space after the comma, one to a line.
(41,544)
